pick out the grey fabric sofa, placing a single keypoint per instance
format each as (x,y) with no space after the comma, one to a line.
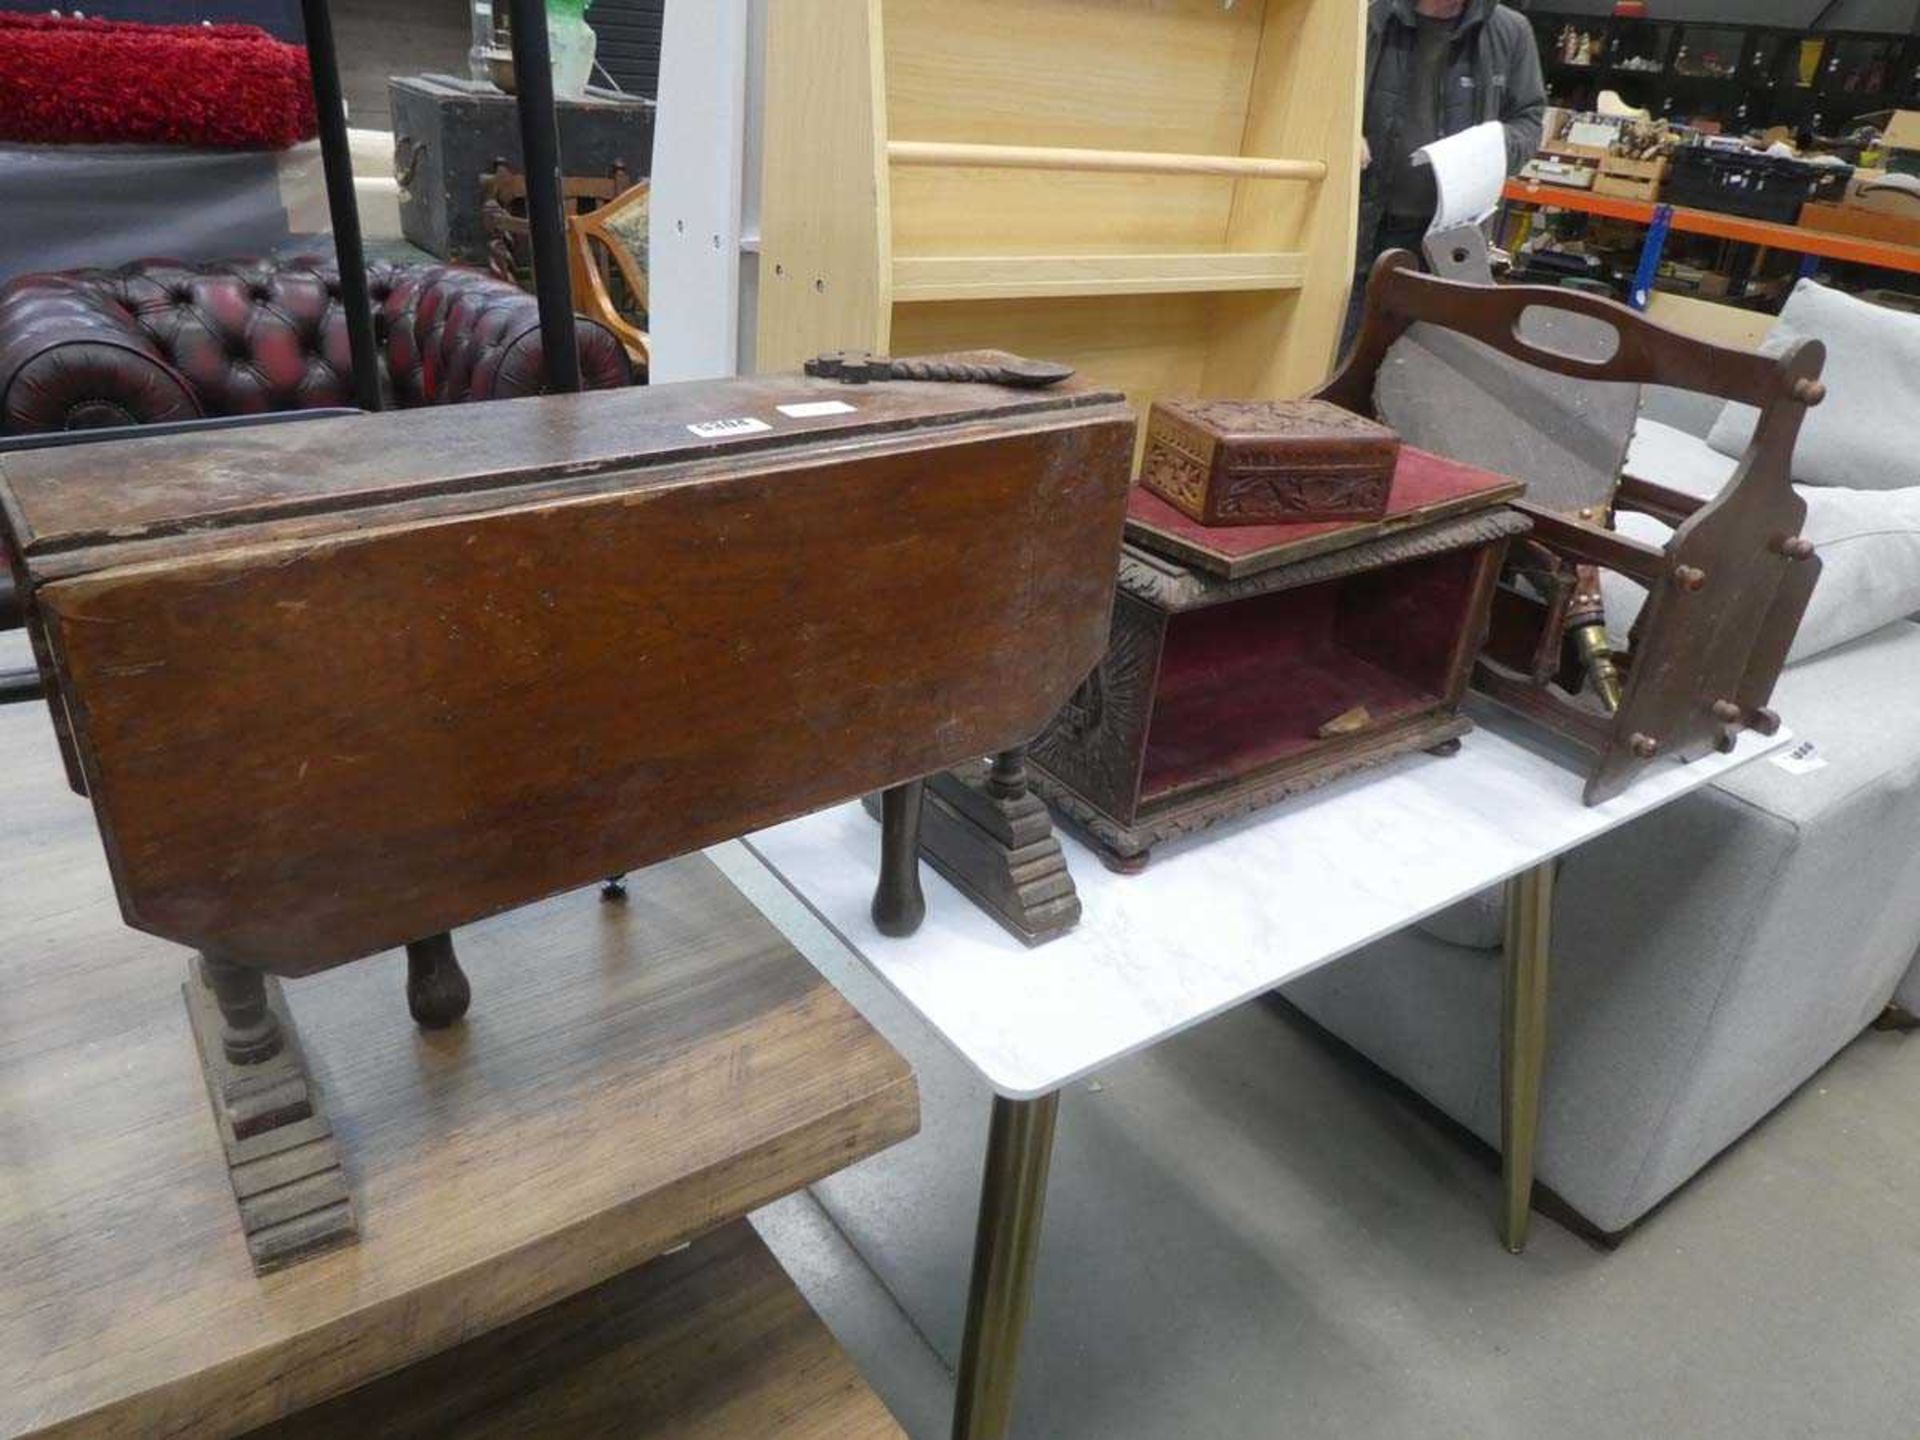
(1707,960)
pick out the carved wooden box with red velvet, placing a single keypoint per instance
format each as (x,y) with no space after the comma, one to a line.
(1265,462)
(1265,661)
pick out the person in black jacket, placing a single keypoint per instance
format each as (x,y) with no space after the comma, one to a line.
(1434,68)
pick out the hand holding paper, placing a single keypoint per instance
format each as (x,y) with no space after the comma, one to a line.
(1469,170)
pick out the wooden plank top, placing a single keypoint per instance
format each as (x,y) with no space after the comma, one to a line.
(711,1343)
(73,497)
(627,1078)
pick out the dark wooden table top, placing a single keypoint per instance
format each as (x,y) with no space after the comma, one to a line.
(75,496)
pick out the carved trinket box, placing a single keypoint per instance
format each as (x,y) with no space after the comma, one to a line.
(1249,664)
(1265,462)
(338,687)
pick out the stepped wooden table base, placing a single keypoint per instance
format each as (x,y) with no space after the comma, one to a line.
(988,831)
(712,1342)
(282,1157)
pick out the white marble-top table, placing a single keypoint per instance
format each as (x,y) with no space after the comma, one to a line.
(1221,917)
(1214,920)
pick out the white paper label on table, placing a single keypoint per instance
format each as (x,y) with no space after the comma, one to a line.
(1802,759)
(811,408)
(1468,171)
(736,425)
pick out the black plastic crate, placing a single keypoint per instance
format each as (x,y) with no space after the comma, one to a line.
(1830,183)
(1743,182)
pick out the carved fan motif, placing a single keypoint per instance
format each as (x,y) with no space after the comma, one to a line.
(1094,743)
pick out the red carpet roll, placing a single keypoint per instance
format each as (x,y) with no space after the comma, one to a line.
(68,81)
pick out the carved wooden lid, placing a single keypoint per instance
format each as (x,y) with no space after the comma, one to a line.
(1274,419)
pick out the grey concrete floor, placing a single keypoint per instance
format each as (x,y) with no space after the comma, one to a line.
(1249,1234)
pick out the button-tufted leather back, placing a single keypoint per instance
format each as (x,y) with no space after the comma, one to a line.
(248,336)
(160,340)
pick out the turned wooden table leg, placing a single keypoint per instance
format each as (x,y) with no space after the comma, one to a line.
(1007,778)
(437,988)
(249,1033)
(898,904)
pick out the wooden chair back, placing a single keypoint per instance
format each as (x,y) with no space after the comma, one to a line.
(607,263)
(503,213)
(606,245)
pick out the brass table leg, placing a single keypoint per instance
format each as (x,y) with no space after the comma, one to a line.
(1523,1042)
(1013,1195)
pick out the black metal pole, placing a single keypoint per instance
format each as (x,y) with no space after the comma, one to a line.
(540,152)
(323,60)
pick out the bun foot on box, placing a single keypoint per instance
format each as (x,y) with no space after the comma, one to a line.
(1127,862)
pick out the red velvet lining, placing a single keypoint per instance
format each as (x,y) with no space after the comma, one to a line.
(1247,684)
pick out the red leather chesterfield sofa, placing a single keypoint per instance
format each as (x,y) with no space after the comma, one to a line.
(160,341)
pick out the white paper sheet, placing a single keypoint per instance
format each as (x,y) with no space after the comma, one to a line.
(1468,171)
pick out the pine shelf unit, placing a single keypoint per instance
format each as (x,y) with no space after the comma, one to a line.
(1160,192)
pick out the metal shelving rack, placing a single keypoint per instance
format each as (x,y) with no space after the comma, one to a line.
(1741,75)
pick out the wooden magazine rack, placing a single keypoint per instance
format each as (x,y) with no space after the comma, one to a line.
(1160,195)
(1724,595)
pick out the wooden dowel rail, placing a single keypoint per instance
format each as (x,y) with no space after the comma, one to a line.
(1135,162)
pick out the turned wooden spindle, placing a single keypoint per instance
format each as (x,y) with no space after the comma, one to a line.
(1007,776)
(898,903)
(249,1033)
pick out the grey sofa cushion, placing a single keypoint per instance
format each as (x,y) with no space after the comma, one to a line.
(1872,375)
(1668,455)
(1908,995)
(1478,922)
(1707,959)
(1869,543)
